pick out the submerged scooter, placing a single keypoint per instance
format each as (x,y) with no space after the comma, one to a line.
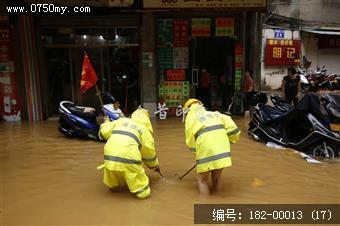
(281,103)
(302,128)
(81,122)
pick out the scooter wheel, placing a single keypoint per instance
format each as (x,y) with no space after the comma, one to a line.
(324,151)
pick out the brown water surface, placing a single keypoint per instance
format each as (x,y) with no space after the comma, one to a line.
(47,179)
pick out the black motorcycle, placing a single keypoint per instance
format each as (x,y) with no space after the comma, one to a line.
(281,103)
(302,128)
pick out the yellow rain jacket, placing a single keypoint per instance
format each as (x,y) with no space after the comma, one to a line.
(208,134)
(129,143)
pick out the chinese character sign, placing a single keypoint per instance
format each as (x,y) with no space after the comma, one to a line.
(174,93)
(175,75)
(180,111)
(225,27)
(238,66)
(159,4)
(222,215)
(180,33)
(218,215)
(200,27)
(283,52)
(162,111)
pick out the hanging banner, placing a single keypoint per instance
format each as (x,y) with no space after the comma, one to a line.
(238,66)
(9,108)
(200,27)
(261,4)
(180,33)
(225,27)
(284,52)
(237,100)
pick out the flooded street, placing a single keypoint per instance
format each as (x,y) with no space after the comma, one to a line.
(47,179)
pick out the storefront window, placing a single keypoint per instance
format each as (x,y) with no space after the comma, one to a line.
(80,36)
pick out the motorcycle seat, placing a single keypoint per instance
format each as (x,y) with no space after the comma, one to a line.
(79,111)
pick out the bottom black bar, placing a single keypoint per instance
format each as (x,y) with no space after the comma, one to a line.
(267,213)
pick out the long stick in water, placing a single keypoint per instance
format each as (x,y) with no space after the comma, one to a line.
(160,173)
(187,172)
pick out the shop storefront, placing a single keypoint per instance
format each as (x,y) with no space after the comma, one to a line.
(141,56)
(112,44)
(197,37)
(51,50)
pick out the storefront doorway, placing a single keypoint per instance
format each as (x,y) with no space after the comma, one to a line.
(114,54)
(187,46)
(215,56)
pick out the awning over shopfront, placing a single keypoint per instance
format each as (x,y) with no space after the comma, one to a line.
(324,31)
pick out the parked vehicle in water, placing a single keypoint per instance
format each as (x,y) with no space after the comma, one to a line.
(302,128)
(81,122)
(319,79)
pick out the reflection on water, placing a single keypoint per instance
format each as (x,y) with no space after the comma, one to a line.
(49,179)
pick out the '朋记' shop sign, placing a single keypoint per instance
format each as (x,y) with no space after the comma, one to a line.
(93,3)
(282,52)
(204,4)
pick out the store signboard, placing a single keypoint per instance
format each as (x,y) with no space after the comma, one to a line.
(175,75)
(238,66)
(93,3)
(204,4)
(180,33)
(200,27)
(225,27)
(174,93)
(284,52)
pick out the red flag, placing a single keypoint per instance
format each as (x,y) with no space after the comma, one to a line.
(88,75)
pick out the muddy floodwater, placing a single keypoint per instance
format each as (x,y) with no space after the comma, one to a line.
(47,179)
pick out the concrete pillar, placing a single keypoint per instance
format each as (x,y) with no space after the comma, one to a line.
(148,74)
(28,64)
(257,48)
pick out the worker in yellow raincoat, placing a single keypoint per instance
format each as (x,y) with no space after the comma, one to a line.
(209,134)
(129,143)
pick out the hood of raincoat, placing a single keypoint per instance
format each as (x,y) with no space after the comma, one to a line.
(191,101)
(142,116)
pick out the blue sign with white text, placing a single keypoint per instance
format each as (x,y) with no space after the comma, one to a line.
(279,33)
